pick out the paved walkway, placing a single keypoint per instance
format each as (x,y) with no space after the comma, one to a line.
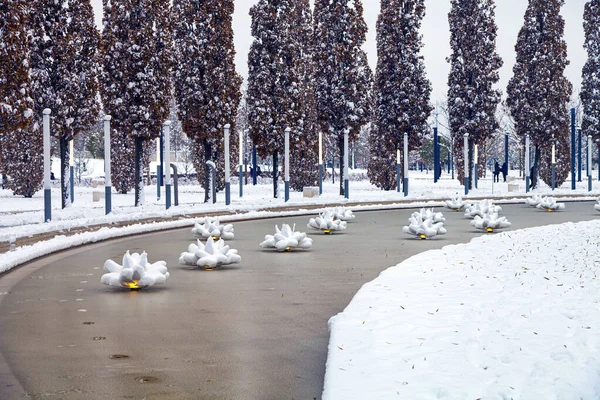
(254,331)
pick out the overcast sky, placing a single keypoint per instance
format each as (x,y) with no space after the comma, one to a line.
(436,37)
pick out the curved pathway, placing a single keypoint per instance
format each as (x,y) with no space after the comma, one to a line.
(253,331)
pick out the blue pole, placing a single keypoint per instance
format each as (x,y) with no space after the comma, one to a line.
(398,177)
(436,156)
(162,155)
(320,179)
(241,181)
(254,165)
(72,182)
(505,155)
(579,156)
(573,184)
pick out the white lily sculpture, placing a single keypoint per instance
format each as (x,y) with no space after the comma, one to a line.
(597,205)
(481,208)
(212,228)
(549,204)
(490,222)
(425,224)
(135,273)
(534,200)
(342,213)
(210,256)
(456,204)
(286,239)
(326,223)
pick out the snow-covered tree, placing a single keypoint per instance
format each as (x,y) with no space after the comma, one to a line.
(590,88)
(402,89)
(207,88)
(343,79)
(64,67)
(538,92)
(474,65)
(20,142)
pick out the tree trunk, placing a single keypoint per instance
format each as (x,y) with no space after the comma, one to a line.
(275,177)
(139,171)
(207,157)
(342,177)
(64,173)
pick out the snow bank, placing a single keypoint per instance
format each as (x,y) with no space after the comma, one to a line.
(509,316)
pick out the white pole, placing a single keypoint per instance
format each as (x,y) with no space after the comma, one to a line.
(527,166)
(71,153)
(227,169)
(466,161)
(241,148)
(476,154)
(107,172)
(397,156)
(287,154)
(47,160)
(346,180)
(320,148)
(405,164)
(589,155)
(553,154)
(167,155)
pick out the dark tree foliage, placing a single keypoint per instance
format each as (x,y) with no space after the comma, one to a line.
(207,87)
(21,143)
(402,89)
(343,79)
(590,89)
(474,65)
(538,92)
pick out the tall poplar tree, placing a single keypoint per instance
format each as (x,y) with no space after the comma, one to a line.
(402,89)
(474,66)
(538,92)
(207,87)
(21,144)
(590,89)
(342,84)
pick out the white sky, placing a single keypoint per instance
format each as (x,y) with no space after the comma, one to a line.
(436,37)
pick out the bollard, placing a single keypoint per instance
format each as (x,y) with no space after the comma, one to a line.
(107,181)
(47,166)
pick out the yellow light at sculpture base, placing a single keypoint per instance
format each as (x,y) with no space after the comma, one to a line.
(133,285)
(423,237)
(208,268)
(489,230)
(327,231)
(216,237)
(549,210)
(288,248)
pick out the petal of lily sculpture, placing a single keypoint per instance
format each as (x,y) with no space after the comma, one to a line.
(211,227)
(549,204)
(425,224)
(597,206)
(490,222)
(326,223)
(210,256)
(534,200)
(481,208)
(456,204)
(135,273)
(286,239)
(342,213)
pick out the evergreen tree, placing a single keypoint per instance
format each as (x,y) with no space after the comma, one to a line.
(343,79)
(207,88)
(590,90)
(21,144)
(538,92)
(474,66)
(402,89)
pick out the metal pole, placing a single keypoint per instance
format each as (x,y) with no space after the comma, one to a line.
(72,169)
(573,185)
(241,147)
(436,155)
(346,182)
(398,173)
(466,162)
(167,162)
(579,163)
(107,181)
(405,180)
(589,162)
(553,166)
(254,165)
(505,155)
(161,163)
(47,166)
(527,167)
(476,166)
(158,173)
(320,163)
(287,164)
(227,167)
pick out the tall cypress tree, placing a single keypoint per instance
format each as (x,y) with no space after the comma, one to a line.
(402,89)
(20,144)
(474,65)
(207,88)
(538,92)
(590,89)
(342,84)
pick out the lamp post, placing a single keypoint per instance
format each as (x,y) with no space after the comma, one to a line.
(320,163)
(72,169)
(107,181)
(47,166)
(227,166)
(466,161)
(287,164)
(527,168)
(405,183)
(167,162)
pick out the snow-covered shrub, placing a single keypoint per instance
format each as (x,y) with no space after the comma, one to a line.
(455,204)
(327,223)
(534,200)
(211,227)
(425,224)
(209,256)
(481,208)
(135,273)
(549,204)
(342,213)
(286,239)
(490,222)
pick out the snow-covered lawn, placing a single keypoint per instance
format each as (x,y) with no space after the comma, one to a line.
(508,316)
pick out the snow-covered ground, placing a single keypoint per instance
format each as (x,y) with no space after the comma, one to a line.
(510,316)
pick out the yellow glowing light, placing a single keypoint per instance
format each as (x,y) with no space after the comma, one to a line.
(549,210)
(133,285)
(327,231)
(423,237)
(208,268)
(489,230)
(288,248)
(216,237)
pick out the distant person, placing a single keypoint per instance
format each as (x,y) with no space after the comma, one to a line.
(533,178)
(496,172)
(504,171)
(52,176)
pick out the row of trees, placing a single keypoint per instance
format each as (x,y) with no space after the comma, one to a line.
(307,71)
